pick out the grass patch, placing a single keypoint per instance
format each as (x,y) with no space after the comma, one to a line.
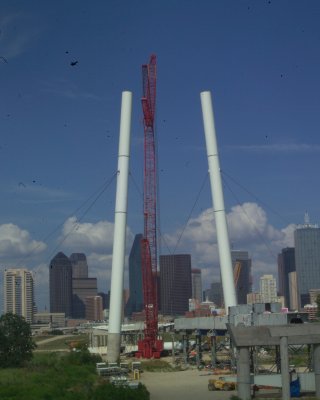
(62,342)
(157,366)
(55,377)
(59,344)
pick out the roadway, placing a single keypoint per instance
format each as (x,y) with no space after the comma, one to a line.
(187,385)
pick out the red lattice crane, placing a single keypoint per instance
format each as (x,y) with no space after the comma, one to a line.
(150,346)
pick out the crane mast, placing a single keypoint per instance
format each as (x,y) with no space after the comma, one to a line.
(150,346)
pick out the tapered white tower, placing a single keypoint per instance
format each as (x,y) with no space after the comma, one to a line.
(229,292)
(119,240)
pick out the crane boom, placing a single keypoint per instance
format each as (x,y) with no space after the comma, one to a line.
(150,346)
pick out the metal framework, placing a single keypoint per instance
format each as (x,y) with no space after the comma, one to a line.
(150,346)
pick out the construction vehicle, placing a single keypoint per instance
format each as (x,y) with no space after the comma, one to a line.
(221,384)
(151,345)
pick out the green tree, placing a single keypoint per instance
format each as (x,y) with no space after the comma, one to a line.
(16,343)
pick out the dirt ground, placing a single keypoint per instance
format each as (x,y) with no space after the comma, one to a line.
(193,385)
(186,385)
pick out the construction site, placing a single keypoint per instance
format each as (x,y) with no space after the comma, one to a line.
(250,346)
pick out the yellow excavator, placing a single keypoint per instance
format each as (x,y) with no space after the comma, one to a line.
(221,384)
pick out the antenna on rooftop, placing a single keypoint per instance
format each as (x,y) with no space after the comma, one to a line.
(306,219)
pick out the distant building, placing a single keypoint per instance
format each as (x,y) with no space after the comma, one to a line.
(268,289)
(82,285)
(293,291)
(56,320)
(253,298)
(105,300)
(214,294)
(286,264)
(314,293)
(196,284)
(243,284)
(60,285)
(135,301)
(79,265)
(312,310)
(94,310)
(175,282)
(307,257)
(19,293)
(204,309)
(81,289)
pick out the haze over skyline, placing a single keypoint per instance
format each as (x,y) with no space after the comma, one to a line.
(63,67)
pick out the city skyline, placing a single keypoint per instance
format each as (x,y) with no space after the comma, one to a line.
(60,125)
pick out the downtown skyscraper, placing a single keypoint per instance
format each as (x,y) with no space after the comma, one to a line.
(19,293)
(83,287)
(286,265)
(307,260)
(175,283)
(268,289)
(196,284)
(135,301)
(243,279)
(60,283)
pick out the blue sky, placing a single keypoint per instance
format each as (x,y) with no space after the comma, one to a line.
(60,125)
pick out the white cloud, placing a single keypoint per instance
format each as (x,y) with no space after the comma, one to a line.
(17,33)
(90,237)
(96,241)
(87,237)
(16,242)
(248,229)
(100,266)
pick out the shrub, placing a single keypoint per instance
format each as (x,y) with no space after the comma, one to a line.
(16,342)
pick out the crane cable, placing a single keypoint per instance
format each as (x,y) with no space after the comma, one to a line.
(255,197)
(249,219)
(77,224)
(190,213)
(100,191)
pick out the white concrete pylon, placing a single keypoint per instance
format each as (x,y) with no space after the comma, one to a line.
(229,293)
(120,224)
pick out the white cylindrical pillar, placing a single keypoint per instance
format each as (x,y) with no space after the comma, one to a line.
(229,293)
(285,377)
(316,368)
(119,238)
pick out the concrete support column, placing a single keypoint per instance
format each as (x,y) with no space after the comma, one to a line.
(198,350)
(173,349)
(185,347)
(214,350)
(243,373)
(310,357)
(278,361)
(316,367)
(285,377)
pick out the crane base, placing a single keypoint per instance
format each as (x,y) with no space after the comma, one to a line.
(147,349)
